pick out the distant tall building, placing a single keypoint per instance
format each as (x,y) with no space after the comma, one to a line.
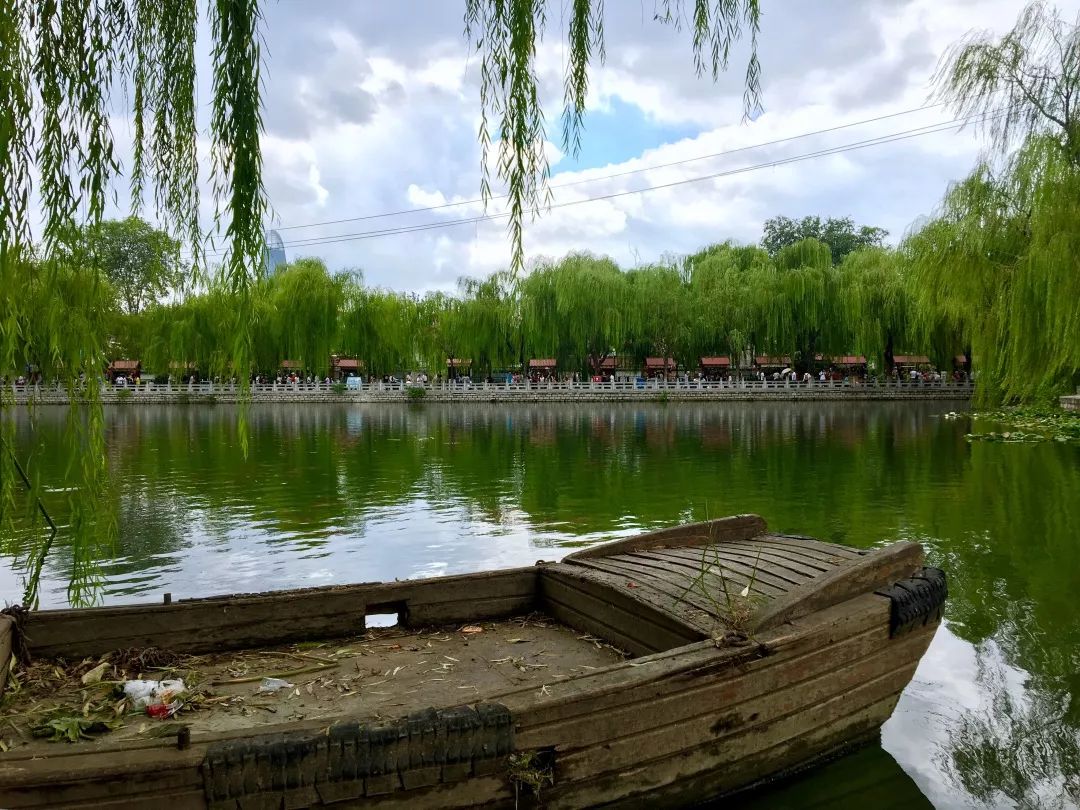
(275,253)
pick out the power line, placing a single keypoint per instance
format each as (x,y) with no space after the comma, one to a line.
(928,129)
(684,161)
(884,139)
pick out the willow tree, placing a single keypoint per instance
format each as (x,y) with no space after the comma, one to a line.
(877,304)
(799,303)
(305,304)
(1000,262)
(67,68)
(660,314)
(197,334)
(576,310)
(490,307)
(380,328)
(725,306)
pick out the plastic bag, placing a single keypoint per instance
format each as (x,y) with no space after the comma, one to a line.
(153,693)
(271,685)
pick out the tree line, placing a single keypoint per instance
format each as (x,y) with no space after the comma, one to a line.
(836,292)
(993,274)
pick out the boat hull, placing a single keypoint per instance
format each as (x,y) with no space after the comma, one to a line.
(702,710)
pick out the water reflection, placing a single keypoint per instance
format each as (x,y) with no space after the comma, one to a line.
(869,778)
(341,494)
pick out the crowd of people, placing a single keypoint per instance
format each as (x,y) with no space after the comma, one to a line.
(922,374)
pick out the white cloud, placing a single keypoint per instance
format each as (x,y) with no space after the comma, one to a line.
(373,108)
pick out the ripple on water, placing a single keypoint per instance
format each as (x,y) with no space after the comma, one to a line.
(317,501)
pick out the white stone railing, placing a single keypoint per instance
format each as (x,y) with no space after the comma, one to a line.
(459,389)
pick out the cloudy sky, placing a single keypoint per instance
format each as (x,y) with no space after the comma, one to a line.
(373,107)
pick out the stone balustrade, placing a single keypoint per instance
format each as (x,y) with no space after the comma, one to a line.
(652,390)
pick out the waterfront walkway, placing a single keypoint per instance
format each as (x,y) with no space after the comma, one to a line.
(651,390)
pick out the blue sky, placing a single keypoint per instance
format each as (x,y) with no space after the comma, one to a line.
(619,133)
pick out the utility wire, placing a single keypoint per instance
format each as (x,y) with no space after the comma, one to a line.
(884,139)
(626,173)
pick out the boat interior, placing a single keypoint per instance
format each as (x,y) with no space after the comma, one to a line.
(385,650)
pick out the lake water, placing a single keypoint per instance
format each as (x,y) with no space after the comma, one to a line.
(335,494)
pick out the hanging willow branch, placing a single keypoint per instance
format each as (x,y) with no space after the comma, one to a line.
(62,67)
(1031,76)
(507,33)
(999,264)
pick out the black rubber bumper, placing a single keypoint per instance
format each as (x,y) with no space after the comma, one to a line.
(916,601)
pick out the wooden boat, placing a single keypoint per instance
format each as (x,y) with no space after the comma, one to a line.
(667,669)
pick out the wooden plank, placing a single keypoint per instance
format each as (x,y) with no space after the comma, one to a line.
(734,569)
(493,792)
(701,721)
(817,542)
(434,613)
(868,573)
(657,592)
(680,617)
(591,623)
(688,571)
(82,779)
(778,575)
(252,620)
(825,551)
(459,794)
(791,560)
(646,628)
(7,642)
(682,780)
(193,799)
(779,715)
(817,559)
(664,673)
(719,694)
(722,530)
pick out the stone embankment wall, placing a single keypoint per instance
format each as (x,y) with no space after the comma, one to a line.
(582,392)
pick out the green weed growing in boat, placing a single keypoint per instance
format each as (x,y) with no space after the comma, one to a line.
(734,607)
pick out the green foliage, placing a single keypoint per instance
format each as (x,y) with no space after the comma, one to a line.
(999,265)
(1024,83)
(61,726)
(416,392)
(124,395)
(140,262)
(840,235)
(531,772)
(579,310)
(1038,424)
(876,302)
(338,388)
(63,68)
